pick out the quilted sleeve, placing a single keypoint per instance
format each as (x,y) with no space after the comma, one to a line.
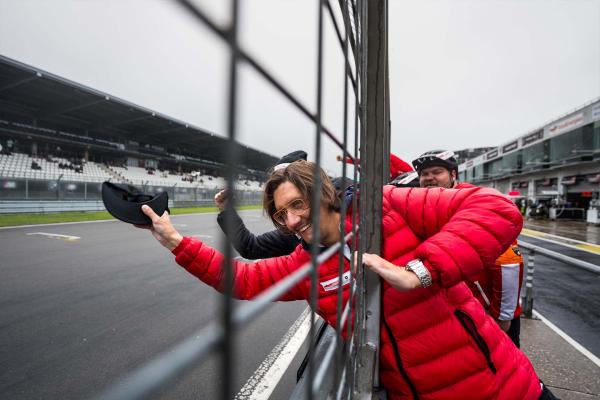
(250,279)
(462,229)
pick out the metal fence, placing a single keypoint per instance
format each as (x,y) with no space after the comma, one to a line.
(30,190)
(532,250)
(362,36)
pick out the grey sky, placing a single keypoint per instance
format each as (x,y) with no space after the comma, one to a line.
(464,73)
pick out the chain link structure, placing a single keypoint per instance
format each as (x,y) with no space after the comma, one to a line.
(345,369)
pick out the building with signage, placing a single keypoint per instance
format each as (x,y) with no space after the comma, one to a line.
(469,153)
(557,163)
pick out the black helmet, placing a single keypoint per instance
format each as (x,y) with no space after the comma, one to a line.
(406,179)
(125,202)
(442,158)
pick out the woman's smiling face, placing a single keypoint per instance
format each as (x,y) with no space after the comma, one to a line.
(296,222)
(297,219)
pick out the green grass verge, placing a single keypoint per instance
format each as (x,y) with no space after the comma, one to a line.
(78,216)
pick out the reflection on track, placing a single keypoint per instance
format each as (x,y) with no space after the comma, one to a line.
(576,244)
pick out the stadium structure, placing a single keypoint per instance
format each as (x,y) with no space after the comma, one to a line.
(60,139)
(555,166)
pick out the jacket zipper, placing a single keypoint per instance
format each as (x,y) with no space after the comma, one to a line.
(467,323)
(413,390)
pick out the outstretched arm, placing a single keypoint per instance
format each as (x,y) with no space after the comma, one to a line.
(207,264)
(162,229)
(398,277)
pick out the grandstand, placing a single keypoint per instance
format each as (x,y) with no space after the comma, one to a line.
(23,166)
(56,130)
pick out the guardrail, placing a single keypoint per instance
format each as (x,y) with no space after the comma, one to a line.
(532,250)
(43,206)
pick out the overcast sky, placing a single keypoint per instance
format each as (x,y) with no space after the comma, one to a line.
(464,73)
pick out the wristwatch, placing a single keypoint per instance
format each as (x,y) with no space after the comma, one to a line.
(418,268)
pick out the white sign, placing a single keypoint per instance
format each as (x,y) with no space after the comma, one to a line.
(550,192)
(566,124)
(333,284)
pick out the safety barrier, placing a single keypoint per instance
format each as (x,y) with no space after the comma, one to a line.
(48,191)
(532,250)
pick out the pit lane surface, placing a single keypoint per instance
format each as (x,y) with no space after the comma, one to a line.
(566,295)
(78,313)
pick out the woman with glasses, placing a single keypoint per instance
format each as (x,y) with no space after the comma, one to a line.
(437,342)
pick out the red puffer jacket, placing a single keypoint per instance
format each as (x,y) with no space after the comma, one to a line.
(438,342)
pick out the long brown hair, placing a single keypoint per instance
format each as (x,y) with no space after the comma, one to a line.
(302,175)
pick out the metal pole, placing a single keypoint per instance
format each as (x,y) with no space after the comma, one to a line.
(373,162)
(316,199)
(528,308)
(561,257)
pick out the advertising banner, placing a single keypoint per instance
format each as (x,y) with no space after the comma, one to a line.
(566,124)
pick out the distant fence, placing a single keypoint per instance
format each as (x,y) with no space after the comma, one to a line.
(26,195)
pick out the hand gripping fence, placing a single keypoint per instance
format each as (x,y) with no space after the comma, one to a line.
(362,36)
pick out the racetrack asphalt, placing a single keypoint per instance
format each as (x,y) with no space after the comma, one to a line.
(78,314)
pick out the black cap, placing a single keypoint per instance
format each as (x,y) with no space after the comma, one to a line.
(125,202)
(290,158)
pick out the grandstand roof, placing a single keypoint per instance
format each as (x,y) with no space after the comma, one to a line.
(30,95)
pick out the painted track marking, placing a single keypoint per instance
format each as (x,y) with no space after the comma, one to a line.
(68,238)
(263,382)
(568,338)
(563,241)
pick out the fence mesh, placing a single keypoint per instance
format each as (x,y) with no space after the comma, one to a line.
(362,37)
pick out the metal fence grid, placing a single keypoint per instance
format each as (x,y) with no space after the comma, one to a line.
(363,40)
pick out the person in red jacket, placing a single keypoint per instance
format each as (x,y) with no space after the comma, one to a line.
(498,286)
(437,342)
(397,165)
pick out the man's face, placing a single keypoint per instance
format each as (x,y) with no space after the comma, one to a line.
(437,176)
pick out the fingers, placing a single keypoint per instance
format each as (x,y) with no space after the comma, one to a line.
(221,195)
(150,213)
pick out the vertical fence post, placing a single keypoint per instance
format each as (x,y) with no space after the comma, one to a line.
(374,146)
(528,309)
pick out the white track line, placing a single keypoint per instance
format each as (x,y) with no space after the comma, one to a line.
(104,220)
(568,338)
(68,238)
(263,382)
(57,224)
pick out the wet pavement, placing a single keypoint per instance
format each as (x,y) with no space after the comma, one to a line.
(565,349)
(577,230)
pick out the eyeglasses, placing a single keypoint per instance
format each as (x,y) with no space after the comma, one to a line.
(296,207)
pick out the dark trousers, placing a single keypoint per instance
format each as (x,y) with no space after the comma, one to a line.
(514,332)
(547,394)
